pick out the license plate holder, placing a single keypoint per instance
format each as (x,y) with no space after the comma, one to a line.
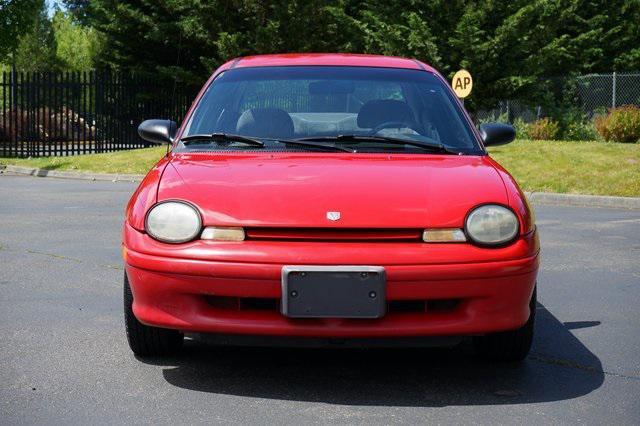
(333,291)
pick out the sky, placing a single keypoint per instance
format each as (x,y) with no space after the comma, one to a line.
(52,4)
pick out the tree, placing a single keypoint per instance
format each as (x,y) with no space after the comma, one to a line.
(509,47)
(76,46)
(35,50)
(56,44)
(513,48)
(15,17)
(186,39)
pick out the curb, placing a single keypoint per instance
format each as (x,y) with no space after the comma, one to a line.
(534,197)
(579,200)
(70,175)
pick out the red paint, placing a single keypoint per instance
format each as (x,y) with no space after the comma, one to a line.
(330,59)
(145,196)
(282,192)
(297,189)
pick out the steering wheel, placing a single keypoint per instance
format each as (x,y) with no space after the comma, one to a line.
(393,125)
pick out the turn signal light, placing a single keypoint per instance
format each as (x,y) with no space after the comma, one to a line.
(218,233)
(443,235)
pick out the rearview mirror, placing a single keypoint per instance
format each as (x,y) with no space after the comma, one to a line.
(497,133)
(158,131)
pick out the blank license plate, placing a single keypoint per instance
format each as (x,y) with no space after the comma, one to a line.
(333,291)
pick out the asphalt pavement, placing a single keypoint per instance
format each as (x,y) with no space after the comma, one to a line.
(64,357)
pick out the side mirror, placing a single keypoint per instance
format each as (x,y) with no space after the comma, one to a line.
(497,133)
(158,131)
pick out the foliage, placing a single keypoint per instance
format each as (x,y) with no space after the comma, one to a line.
(57,44)
(76,47)
(35,50)
(507,46)
(543,129)
(494,118)
(621,124)
(569,128)
(579,131)
(15,17)
(575,125)
(522,128)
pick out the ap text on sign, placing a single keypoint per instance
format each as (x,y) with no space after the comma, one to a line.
(462,83)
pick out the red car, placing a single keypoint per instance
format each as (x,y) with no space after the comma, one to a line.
(325,199)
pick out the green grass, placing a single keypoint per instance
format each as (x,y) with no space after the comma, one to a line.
(136,161)
(549,166)
(596,168)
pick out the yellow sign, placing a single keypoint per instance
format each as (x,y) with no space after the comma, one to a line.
(462,83)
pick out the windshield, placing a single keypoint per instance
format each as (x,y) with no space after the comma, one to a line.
(325,104)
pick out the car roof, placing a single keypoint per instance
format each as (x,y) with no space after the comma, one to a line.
(325,59)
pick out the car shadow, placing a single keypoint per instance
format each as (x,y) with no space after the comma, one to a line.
(559,367)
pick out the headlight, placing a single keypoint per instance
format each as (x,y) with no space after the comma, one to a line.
(173,222)
(491,225)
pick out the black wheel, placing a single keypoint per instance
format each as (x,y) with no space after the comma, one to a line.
(508,346)
(143,339)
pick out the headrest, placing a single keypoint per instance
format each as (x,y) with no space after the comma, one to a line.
(265,123)
(376,112)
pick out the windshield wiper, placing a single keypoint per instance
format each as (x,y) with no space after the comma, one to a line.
(301,142)
(228,137)
(222,137)
(429,146)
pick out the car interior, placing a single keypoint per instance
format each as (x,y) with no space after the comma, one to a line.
(374,115)
(301,109)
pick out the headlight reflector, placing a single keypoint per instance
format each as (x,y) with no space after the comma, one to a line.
(173,222)
(491,224)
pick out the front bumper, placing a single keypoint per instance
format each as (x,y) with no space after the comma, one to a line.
(180,288)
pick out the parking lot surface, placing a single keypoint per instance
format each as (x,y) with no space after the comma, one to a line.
(65,359)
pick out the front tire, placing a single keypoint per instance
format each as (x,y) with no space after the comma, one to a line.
(143,339)
(508,346)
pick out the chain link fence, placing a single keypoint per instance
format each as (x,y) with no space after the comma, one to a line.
(591,94)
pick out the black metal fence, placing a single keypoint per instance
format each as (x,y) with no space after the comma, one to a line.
(44,114)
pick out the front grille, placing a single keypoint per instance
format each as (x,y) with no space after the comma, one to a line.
(244,303)
(334,234)
(431,306)
(393,306)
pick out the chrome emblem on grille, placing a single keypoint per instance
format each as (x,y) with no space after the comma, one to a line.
(333,215)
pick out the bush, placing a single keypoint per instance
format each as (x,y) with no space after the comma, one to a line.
(493,118)
(543,129)
(576,126)
(522,128)
(621,124)
(580,131)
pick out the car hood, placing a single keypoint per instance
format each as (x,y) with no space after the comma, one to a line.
(299,189)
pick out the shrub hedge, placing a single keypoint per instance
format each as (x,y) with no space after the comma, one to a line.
(620,124)
(543,129)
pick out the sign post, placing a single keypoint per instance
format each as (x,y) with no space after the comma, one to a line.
(462,83)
